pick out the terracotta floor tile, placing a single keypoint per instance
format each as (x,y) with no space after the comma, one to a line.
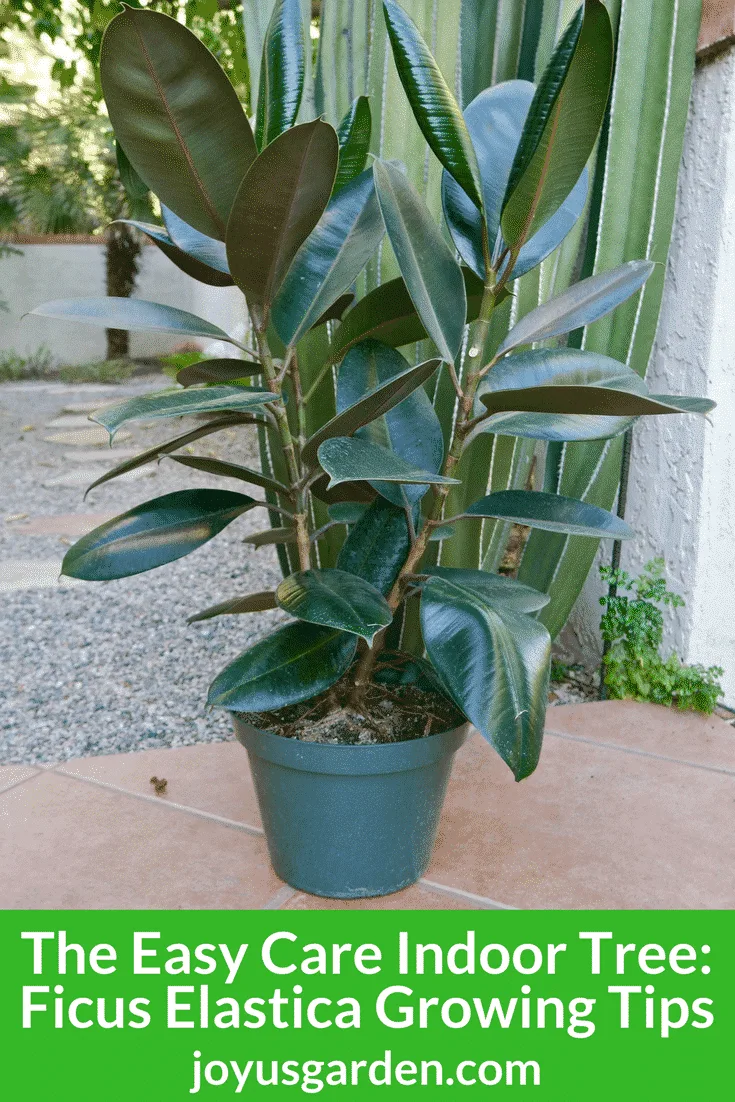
(415,898)
(67,844)
(11,775)
(213,777)
(593,827)
(685,736)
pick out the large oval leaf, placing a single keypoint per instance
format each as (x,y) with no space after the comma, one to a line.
(563,124)
(331,258)
(542,367)
(222,469)
(152,534)
(494,662)
(582,304)
(168,446)
(177,403)
(377,545)
(176,115)
(552,512)
(336,599)
(281,72)
(354,141)
(387,314)
(555,427)
(411,429)
(277,206)
(432,102)
(350,459)
(208,250)
(432,276)
(495,121)
(599,400)
(375,403)
(254,602)
(494,589)
(295,663)
(134,314)
(217,371)
(189,264)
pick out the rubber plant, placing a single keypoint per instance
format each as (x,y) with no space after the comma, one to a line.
(363,474)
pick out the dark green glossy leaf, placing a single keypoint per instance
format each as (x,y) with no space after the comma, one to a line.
(587,399)
(388,314)
(443,532)
(432,101)
(495,121)
(377,545)
(678,403)
(271,535)
(277,206)
(411,429)
(336,599)
(347,512)
(336,310)
(354,141)
(345,492)
(176,115)
(495,664)
(137,194)
(582,304)
(431,274)
(295,663)
(348,459)
(134,314)
(177,403)
(208,250)
(555,427)
(375,403)
(544,367)
(152,534)
(551,512)
(189,264)
(217,371)
(330,260)
(254,602)
(494,588)
(281,72)
(230,470)
(562,126)
(168,446)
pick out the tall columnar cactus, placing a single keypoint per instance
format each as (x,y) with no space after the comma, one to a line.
(482,42)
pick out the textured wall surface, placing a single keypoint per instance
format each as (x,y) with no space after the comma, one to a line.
(681,497)
(45,272)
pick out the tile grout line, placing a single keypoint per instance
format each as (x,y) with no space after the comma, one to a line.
(233,823)
(641,753)
(283,895)
(15,784)
(482,901)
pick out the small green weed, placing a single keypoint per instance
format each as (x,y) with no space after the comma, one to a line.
(632,627)
(36,365)
(107,371)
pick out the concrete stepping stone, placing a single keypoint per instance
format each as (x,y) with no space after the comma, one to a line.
(111,456)
(69,524)
(32,574)
(82,476)
(93,437)
(70,421)
(85,407)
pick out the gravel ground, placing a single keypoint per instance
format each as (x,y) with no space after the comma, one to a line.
(109,667)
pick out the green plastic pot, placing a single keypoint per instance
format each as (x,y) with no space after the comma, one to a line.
(350,821)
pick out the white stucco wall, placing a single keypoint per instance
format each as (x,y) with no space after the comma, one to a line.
(45,272)
(681,496)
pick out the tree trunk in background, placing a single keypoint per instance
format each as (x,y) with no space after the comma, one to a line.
(121,263)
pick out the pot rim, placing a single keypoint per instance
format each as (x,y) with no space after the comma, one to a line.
(374,758)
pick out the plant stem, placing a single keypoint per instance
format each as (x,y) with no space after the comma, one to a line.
(301,518)
(462,425)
